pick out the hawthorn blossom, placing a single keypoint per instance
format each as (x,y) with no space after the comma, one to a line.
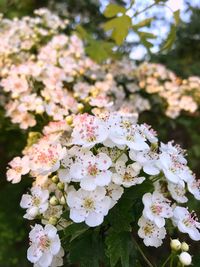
(127,175)
(45,158)
(156,208)
(177,192)
(187,222)
(173,164)
(147,159)
(44,245)
(194,188)
(115,192)
(18,167)
(88,130)
(88,206)
(92,171)
(151,234)
(36,203)
(124,131)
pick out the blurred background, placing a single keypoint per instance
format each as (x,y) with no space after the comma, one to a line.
(183,59)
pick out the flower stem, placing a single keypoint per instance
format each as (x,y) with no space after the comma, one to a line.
(142,253)
(166,261)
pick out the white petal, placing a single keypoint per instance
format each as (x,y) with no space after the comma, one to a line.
(94,219)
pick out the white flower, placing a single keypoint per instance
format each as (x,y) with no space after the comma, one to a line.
(187,222)
(115,192)
(150,232)
(127,175)
(147,160)
(44,245)
(194,188)
(124,131)
(90,207)
(91,170)
(88,130)
(156,208)
(185,258)
(19,166)
(177,192)
(173,164)
(36,203)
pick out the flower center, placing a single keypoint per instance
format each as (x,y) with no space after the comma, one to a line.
(88,204)
(127,177)
(156,209)
(44,242)
(92,170)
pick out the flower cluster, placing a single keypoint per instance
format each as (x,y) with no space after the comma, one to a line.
(86,166)
(180,95)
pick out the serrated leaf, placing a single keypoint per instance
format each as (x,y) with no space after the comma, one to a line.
(118,247)
(143,23)
(113,9)
(176,16)
(119,27)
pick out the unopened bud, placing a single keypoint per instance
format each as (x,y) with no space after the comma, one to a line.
(55,179)
(53,220)
(53,201)
(80,107)
(185,258)
(175,244)
(62,200)
(60,186)
(69,119)
(184,246)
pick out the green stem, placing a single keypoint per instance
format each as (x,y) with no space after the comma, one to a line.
(143,10)
(166,261)
(142,253)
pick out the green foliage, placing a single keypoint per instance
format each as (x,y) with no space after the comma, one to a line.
(184,58)
(119,27)
(172,34)
(119,246)
(112,10)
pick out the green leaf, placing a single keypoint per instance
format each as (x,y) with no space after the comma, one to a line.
(75,230)
(113,9)
(170,39)
(87,250)
(176,15)
(99,50)
(143,23)
(147,35)
(118,247)
(119,27)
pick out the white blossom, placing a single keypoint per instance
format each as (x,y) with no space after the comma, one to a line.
(88,206)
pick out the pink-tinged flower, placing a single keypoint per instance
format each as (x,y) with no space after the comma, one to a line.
(187,222)
(91,170)
(45,157)
(156,208)
(44,245)
(88,130)
(19,166)
(151,234)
